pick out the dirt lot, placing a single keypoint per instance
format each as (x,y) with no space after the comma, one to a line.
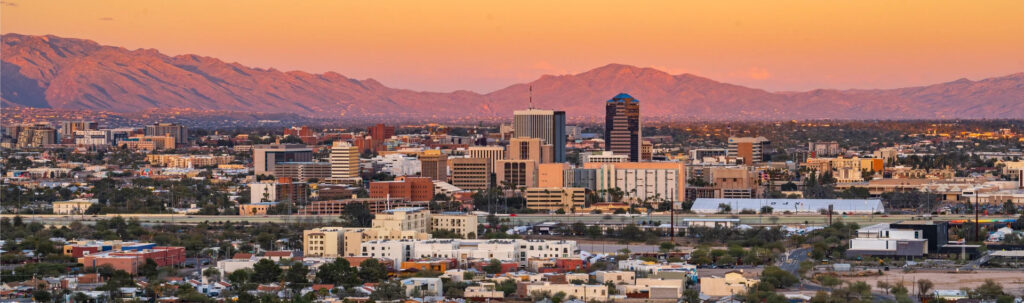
(1012,281)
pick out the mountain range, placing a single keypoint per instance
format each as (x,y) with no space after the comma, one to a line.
(68,73)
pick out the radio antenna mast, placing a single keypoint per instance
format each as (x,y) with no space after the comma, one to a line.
(531,96)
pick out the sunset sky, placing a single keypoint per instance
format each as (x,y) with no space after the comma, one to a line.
(487,45)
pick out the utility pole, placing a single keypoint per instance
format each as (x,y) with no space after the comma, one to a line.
(672,220)
(977,230)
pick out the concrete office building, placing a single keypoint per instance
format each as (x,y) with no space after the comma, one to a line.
(406,188)
(567,199)
(580,177)
(303,170)
(749,150)
(68,128)
(344,163)
(547,125)
(280,190)
(603,157)
(266,156)
(734,182)
(622,128)
(518,173)
(823,149)
(646,151)
(176,131)
(492,153)
(434,165)
(665,181)
(525,148)
(92,137)
(36,135)
(551,174)
(471,173)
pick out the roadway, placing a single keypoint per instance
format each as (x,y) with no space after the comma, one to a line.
(519,219)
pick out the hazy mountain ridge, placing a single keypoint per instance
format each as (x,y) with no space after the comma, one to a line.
(49,71)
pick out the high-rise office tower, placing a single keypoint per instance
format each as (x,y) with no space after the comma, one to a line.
(177,131)
(344,162)
(523,148)
(434,165)
(749,150)
(68,129)
(266,156)
(622,126)
(471,173)
(548,125)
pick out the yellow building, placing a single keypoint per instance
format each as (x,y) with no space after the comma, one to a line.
(72,207)
(460,223)
(732,283)
(323,242)
(255,209)
(188,161)
(568,199)
(410,223)
(405,218)
(845,170)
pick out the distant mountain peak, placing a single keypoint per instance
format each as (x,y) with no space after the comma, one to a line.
(69,73)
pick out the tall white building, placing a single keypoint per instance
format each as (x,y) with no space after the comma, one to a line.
(397,164)
(344,162)
(93,137)
(603,157)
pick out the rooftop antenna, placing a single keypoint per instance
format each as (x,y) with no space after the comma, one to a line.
(531,96)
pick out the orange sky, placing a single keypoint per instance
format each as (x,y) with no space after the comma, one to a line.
(487,45)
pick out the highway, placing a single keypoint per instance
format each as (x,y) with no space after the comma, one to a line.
(520,219)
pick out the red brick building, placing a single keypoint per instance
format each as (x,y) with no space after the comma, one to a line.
(131,260)
(407,188)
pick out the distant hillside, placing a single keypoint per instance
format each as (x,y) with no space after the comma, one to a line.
(64,73)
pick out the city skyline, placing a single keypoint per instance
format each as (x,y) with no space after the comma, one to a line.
(791,46)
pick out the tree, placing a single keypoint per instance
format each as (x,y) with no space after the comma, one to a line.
(724,208)
(923,286)
(296,276)
(578,228)
(778,277)
(388,291)
(42,295)
(666,247)
(1009,208)
(149,269)
(494,267)
(372,270)
(266,271)
(829,281)
(339,273)
(211,273)
(989,290)
(357,215)
(805,267)
(239,276)
(766,209)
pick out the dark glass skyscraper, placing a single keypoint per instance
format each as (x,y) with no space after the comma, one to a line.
(622,126)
